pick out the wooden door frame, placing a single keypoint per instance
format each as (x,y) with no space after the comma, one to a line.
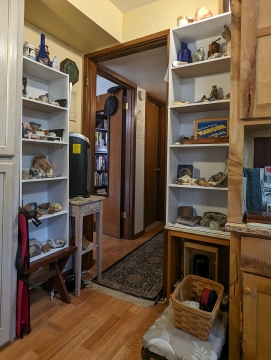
(91,70)
(162,136)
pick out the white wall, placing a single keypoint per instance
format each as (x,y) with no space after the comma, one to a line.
(62,51)
(139,162)
(102,85)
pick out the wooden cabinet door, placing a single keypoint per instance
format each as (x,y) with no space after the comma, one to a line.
(256,344)
(255,72)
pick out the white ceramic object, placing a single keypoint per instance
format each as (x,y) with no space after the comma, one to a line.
(182,20)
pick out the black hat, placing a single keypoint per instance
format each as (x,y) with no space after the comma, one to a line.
(110,105)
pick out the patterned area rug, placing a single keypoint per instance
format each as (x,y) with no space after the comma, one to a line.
(137,277)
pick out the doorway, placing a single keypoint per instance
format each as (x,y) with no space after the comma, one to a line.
(154,161)
(92,68)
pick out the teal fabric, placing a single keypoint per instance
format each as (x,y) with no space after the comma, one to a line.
(253,193)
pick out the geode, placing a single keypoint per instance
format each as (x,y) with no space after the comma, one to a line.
(56,206)
(37,173)
(34,250)
(46,248)
(209,216)
(55,243)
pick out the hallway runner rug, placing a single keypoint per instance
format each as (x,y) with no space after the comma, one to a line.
(137,277)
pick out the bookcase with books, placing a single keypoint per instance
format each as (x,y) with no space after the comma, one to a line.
(101,154)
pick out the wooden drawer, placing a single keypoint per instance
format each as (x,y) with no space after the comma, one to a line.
(256,255)
(91,208)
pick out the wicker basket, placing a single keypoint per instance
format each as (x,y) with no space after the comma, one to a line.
(191,320)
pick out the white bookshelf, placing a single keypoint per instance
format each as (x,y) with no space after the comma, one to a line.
(189,83)
(42,79)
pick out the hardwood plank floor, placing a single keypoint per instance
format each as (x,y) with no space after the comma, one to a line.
(94,326)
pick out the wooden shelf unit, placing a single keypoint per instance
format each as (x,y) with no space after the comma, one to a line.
(250,250)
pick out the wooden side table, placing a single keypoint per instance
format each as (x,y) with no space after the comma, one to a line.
(79,209)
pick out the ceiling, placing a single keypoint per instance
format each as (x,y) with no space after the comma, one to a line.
(128,5)
(146,69)
(60,19)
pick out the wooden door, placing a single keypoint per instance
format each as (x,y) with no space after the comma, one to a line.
(255,71)
(256,292)
(152,170)
(112,203)
(11,45)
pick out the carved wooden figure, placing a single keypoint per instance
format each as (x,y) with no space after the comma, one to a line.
(227,36)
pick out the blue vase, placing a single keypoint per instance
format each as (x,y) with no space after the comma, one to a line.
(43,56)
(184,54)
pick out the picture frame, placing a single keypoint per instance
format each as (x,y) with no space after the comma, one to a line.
(211,127)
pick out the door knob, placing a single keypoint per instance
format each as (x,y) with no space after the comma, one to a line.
(247,291)
(157,169)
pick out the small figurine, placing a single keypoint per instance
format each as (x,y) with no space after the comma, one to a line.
(227,36)
(214,93)
(198,55)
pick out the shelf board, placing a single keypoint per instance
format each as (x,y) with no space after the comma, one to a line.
(197,229)
(198,146)
(198,187)
(41,106)
(42,255)
(45,179)
(39,142)
(206,67)
(201,106)
(49,216)
(36,69)
(100,148)
(203,29)
(90,247)
(98,129)
(250,228)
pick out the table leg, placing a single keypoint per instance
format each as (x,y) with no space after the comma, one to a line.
(78,254)
(99,234)
(63,292)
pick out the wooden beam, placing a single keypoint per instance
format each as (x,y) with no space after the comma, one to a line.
(130,47)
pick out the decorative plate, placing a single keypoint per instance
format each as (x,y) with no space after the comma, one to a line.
(69,67)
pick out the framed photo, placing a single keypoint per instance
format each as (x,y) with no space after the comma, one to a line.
(208,128)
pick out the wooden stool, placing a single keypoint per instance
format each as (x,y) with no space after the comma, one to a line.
(56,263)
(164,341)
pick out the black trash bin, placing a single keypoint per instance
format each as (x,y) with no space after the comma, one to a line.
(201,265)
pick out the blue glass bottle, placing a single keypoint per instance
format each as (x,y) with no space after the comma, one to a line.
(184,54)
(42,56)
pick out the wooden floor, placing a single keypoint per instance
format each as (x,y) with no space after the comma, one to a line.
(94,326)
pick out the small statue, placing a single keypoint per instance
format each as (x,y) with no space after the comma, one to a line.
(198,55)
(214,93)
(227,36)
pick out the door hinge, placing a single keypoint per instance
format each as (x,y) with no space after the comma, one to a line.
(125,106)
(87,82)
(123,214)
